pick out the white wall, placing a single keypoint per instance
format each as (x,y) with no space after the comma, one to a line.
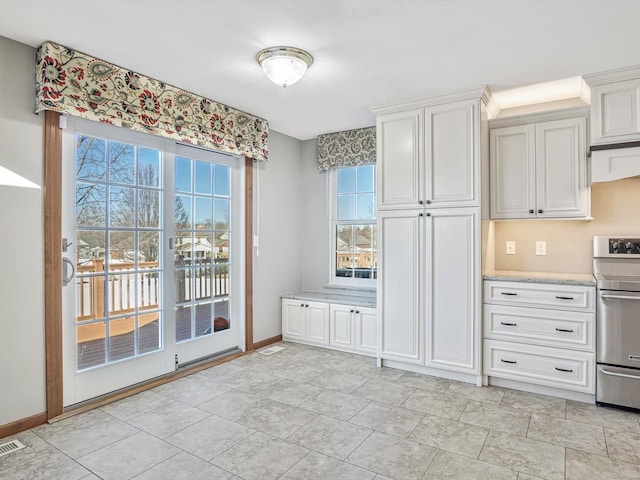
(22,354)
(279,210)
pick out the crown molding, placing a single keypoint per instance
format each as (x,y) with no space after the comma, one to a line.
(468,94)
(539,117)
(610,76)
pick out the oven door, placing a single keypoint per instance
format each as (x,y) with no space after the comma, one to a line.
(618,328)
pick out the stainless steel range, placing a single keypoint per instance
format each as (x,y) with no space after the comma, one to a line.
(616,266)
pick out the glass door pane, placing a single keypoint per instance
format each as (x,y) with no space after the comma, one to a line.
(201,261)
(118,237)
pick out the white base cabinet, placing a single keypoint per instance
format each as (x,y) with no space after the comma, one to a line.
(304,321)
(540,333)
(341,327)
(353,328)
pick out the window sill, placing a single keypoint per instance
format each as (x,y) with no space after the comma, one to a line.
(360,288)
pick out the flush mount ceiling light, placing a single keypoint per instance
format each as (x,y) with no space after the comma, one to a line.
(284,65)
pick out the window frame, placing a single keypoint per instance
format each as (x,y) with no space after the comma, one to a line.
(334,280)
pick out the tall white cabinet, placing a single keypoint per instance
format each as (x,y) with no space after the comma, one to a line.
(429,161)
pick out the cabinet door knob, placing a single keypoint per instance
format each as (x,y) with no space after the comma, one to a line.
(302,305)
(428,214)
(420,202)
(428,202)
(530,211)
(421,214)
(357,311)
(351,311)
(540,211)
(307,305)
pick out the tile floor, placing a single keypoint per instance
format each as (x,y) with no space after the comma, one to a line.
(311,414)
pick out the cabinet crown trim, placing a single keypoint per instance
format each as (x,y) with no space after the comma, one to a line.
(539,117)
(481,92)
(612,76)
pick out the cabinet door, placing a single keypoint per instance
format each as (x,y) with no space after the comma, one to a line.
(400,258)
(512,172)
(341,328)
(366,327)
(293,320)
(452,159)
(453,290)
(399,138)
(615,113)
(317,323)
(561,169)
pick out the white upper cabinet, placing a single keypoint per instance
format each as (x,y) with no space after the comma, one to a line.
(513,167)
(400,152)
(615,106)
(561,169)
(429,156)
(539,170)
(451,154)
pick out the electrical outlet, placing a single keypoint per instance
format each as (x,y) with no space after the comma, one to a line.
(541,247)
(511,247)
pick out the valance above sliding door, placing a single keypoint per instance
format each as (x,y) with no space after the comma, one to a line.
(76,84)
(347,149)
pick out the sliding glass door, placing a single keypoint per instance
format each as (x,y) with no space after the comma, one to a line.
(148,229)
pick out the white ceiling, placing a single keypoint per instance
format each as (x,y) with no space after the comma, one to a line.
(367,52)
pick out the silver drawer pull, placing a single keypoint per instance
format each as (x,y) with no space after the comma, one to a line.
(634,357)
(564,369)
(509,324)
(511,294)
(623,375)
(568,330)
(619,297)
(508,361)
(560,297)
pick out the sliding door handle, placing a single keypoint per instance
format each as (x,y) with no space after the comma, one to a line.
(66,279)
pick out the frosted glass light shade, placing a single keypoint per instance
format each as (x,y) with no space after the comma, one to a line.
(284,65)
(12,179)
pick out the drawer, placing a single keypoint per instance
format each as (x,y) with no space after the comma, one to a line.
(578,298)
(553,328)
(551,367)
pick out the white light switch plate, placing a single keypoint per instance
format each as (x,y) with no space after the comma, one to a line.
(541,247)
(511,247)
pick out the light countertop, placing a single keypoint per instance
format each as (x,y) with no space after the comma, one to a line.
(330,297)
(541,277)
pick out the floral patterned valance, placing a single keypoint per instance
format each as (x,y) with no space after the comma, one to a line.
(347,149)
(76,84)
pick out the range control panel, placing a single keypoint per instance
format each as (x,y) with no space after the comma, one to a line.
(624,246)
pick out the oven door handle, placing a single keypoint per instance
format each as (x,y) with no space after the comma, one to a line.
(619,297)
(623,375)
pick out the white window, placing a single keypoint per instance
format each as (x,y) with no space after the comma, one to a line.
(353,226)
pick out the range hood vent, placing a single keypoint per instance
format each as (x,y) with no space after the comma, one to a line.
(615,161)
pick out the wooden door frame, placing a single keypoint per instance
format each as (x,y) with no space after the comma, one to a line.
(53,261)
